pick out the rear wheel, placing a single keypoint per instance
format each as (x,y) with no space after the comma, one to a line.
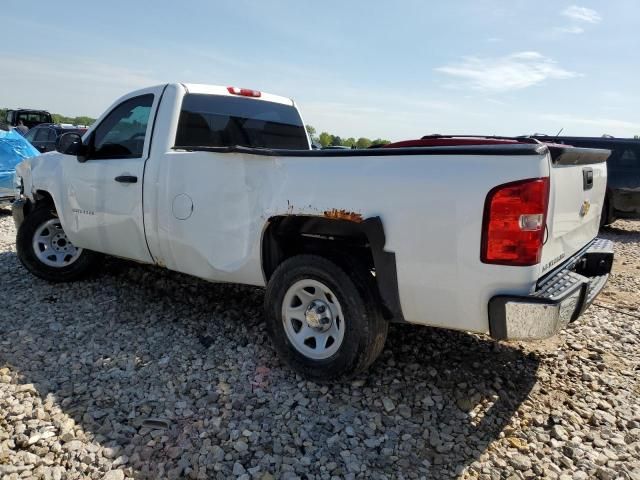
(44,249)
(324,323)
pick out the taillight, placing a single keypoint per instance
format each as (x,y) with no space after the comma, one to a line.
(245,92)
(513,226)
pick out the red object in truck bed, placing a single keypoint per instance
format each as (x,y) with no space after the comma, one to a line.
(452,141)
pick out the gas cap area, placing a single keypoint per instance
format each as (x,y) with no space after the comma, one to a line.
(182,206)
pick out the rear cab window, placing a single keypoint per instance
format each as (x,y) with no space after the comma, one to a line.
(35,118)
(220,121)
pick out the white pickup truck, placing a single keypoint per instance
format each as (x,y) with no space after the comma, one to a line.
(483,235)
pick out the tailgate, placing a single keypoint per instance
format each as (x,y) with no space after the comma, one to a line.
(578,183)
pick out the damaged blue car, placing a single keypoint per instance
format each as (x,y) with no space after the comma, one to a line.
(13,149)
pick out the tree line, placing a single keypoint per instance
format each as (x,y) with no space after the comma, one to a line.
(81,120)
(326,139)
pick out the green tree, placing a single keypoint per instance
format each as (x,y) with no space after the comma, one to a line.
(82,120)
(311,131)
(325,139)
(363,142)
(336,141)
(380,141)
(349,142)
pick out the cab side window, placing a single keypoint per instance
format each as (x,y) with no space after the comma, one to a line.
(122,133)
(42,135)
(51,135)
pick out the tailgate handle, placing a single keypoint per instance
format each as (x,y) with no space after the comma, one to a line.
(587,178)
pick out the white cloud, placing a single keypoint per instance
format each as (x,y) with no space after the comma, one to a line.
(71,86)
(512,72)
(78,70)
(572,29)
(582,14)
(378,113)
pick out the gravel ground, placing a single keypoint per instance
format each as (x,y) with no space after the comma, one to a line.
(145,373)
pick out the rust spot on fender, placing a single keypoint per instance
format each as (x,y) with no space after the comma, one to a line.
(343,215)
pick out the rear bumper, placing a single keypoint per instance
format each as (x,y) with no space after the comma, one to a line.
(560,298)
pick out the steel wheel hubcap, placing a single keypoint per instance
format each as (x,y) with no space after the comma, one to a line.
(313,320)
(52,247)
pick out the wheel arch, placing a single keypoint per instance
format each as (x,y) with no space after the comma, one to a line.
(40,198)
(335,238)
(44,197)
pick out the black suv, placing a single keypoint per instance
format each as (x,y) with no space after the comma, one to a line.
(623,173)
(44,136)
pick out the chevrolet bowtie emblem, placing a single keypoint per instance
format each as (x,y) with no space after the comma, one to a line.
(586,205)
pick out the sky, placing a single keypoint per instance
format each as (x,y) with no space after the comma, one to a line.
(378,69)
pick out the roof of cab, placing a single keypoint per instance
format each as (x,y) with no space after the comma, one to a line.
(222,90)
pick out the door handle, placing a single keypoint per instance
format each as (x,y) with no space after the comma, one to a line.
(126,179)
(587,178)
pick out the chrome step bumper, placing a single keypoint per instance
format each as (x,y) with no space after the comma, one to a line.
(560,297)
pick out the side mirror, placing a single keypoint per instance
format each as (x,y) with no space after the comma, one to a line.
(71,144)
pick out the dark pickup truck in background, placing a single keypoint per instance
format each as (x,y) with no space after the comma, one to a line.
(622,199)
(30,118)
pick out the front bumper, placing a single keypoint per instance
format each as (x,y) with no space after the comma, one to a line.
(560,298)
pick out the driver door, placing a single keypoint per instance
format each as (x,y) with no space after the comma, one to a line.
(105,193)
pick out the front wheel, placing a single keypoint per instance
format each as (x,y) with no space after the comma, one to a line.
(324,323)
(44,249)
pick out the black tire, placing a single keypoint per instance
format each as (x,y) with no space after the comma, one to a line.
(365,329)
(605,216)
(80,268)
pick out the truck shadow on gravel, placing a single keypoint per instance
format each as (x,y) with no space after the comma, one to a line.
(175,377)
(622,235)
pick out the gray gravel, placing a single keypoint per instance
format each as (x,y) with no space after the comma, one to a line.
(144,373)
